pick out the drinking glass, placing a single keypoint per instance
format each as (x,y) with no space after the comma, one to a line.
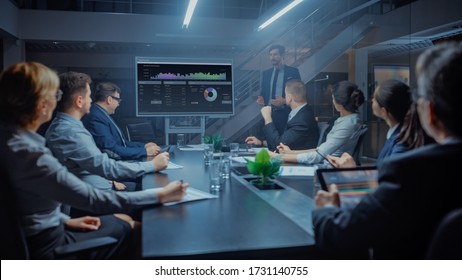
(179,140)
(234,149)
(214,174)
(225,166)
(208,153)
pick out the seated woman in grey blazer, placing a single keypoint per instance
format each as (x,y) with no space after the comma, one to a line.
(346,99)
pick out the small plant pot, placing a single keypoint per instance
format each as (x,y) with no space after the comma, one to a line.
(271,185)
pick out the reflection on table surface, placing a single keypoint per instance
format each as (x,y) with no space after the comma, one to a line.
(243,222)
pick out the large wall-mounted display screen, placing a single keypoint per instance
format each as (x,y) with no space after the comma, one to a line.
(386,72)
(173,87)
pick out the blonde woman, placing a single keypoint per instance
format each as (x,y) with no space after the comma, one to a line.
(28,95)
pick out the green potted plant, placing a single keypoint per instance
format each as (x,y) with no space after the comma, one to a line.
(265,168)
(216,140)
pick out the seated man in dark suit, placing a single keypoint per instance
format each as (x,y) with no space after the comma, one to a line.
(105,131)
(301,130)
(416,188)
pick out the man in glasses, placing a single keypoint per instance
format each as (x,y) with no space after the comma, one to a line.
(107,134)
(74,147)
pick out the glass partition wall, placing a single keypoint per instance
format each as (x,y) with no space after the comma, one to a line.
(327,40)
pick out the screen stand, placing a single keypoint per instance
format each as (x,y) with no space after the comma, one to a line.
(174,128)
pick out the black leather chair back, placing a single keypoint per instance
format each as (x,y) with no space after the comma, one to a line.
(140,132)
(357,151)
(323,129)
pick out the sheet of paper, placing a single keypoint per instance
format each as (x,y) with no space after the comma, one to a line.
(191,147)
(172,165)
(257,150)
(242,159)
(193,194)
(297,171)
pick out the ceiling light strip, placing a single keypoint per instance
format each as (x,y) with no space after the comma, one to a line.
(279,14)
(189,13)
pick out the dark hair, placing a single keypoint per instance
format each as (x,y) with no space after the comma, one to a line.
(395,96)
(22,86)
(297,89)
(439,70)
(281,48)
(72,84)
(348,95)
(105,89)
(412,134)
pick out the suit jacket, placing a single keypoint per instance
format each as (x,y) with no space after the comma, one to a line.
(279,115)
(342,138)
(108,137)
(75,148)
(416,189)
(289,73)
(301,131)
(391,146)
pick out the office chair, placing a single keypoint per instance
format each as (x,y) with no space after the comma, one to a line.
(356,152)
(13,240)
(322,126)
(446,242)
(140,132)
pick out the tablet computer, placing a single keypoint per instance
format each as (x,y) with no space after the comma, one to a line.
(352,183)
(167,149)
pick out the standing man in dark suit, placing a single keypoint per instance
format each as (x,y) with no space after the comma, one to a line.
(273,83)
(105,131)
(301,128)
(417,188)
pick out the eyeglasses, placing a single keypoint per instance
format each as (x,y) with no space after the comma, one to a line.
(59,95)
(118,99)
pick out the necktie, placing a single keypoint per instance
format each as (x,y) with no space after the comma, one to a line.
(275,79)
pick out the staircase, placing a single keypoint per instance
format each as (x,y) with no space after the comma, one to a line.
(247,111)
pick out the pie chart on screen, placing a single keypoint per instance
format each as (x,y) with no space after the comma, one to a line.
(210,94)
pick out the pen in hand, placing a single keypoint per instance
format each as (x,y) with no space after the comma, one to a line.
(280,146)
(325,158)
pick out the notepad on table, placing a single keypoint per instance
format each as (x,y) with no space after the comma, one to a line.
(242,159)
(172,165)
(195,147)
(297,171)
(193,194)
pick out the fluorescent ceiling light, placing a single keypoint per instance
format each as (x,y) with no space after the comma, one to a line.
(189,13)
(279,14)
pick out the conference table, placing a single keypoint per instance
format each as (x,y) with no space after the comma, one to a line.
(242,222)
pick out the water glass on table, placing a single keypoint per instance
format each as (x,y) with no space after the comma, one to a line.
(225,166)
(179,140)
(208,153)
(234,149)
(214,175)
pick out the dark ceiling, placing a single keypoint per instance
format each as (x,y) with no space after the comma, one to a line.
(242,9)
(336,14)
